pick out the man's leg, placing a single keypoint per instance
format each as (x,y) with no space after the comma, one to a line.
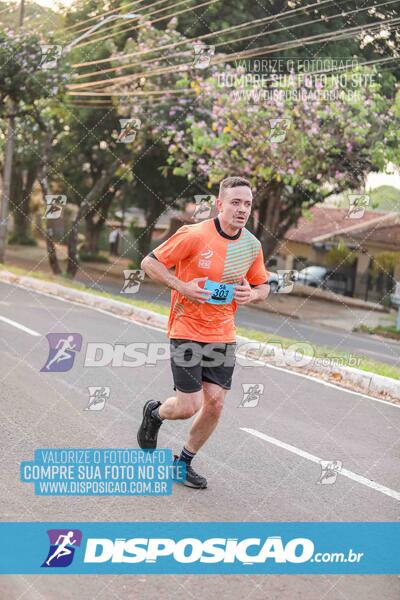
(207,418)
(181,406)
(204,424)
(210,401)
(187,375)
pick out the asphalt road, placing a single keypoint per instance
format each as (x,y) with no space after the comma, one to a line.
(251,478)
(378,349)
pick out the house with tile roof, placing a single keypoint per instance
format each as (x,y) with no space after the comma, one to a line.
(324,228)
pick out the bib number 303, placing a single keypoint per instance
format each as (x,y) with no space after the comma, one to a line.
(222,293)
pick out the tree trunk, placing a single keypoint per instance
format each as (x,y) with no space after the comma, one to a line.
(250,223)
(144,239)
(44,184)
(92,236)
(269,218)
(85,208)
(7,175)
(94,222)
(20,205)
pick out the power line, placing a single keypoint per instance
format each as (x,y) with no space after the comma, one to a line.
(116,24)
(110,12)
(328,71)
(107,37)
(97,101)
(342,34)
(234,41)
(91,106)
(282,15)
(253,23)
(191,91)
(148,93)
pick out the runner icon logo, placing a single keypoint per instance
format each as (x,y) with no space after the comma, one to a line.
(204,205)
(129,129)
(202,55)
(133,279)
(251,394)
(286,279)
(63,543)
(54,205)
(279,128)
(329,471)
(357,205)
(62,348)
(50,55)
(97,397)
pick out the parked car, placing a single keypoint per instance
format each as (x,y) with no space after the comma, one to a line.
(273,281)
(325,278)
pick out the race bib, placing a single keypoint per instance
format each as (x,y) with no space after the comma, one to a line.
(222,293)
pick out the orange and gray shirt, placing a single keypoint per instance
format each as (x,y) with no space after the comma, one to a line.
(204,250)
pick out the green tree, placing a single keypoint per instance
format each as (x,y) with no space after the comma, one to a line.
(154,102)
(26,89)
(296,148)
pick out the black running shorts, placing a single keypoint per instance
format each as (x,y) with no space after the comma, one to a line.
(194,362)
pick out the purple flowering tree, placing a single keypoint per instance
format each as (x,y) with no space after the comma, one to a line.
(297,144)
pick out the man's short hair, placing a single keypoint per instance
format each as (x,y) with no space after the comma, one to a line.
(232,182)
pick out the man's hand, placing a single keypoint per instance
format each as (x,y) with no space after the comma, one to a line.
(244,293)
(193,292)
(190,289)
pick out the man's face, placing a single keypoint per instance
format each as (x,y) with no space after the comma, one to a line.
(235,205)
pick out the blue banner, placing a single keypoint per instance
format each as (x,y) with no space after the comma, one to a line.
(198,547)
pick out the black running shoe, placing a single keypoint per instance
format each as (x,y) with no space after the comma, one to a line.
(148,430)
(193,479)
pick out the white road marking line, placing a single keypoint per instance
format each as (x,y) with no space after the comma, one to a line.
(19,326)
(359,478)
(288,372)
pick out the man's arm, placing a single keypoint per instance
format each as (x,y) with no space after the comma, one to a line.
(244,293)
(260,292)
(256,278)
(190,289)
(159,272)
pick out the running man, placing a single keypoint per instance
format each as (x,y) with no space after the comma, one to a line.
(62,353)
(228,261)
(62,549)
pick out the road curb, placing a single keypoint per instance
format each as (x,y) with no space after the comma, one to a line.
(372,384)
(348,377)
(122,309)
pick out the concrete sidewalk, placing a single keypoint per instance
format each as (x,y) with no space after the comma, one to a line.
(309,305)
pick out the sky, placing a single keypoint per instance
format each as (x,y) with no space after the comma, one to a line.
(376,179)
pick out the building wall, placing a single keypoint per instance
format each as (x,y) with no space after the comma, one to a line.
(290,251)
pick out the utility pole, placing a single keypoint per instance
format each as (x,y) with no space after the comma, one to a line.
(21,13)
(8,159)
